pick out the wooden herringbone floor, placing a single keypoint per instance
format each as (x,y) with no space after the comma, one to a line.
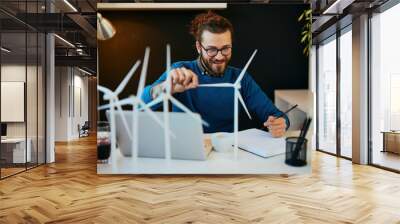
(70,191)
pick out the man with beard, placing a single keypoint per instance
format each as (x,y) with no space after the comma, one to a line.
(213,35)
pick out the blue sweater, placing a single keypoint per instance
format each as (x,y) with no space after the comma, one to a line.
(215,105)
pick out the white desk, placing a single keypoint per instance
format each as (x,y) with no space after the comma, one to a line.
(222,163)
(19,149)
(217,163)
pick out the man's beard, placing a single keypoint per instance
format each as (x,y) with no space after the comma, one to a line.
(215,67)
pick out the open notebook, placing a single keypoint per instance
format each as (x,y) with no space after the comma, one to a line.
(261,143)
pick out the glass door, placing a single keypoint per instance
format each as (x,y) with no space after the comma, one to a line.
(32,98)
(385,89)
(346,92)
(13,94)
(22,76)
(326,96)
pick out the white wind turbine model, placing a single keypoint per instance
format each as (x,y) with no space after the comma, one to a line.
(237,97)
(165,97)
(138,104)
(134,101)
(112,97)
(141,105)
(135,107)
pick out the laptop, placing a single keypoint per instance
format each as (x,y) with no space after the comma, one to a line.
(188,143)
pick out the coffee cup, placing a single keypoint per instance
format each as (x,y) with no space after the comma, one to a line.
(222,141)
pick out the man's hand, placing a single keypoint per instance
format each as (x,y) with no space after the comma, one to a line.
(276,126)
(183,79)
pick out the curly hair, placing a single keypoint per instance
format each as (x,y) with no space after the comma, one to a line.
(209,21)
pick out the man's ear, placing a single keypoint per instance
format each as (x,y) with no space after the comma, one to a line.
(198,47)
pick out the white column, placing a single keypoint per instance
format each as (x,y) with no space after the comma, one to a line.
(50,101)
(360,90)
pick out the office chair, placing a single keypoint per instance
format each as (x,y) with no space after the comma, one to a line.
(84,130)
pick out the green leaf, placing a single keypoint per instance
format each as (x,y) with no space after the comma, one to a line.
(306,34)
(303,39)
(301,17)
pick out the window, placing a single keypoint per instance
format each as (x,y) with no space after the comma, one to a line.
(327,96)
(346,92)
(385,88)
(22,74)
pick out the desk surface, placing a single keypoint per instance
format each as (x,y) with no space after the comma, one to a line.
(391,132)
(217,163)
(13,140)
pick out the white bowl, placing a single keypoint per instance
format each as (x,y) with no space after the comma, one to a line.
(222,141)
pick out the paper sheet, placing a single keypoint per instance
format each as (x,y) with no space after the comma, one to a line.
(261,143)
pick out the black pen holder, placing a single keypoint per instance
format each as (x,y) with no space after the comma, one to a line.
(296,151)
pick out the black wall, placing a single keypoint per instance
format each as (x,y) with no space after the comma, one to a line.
(273,29)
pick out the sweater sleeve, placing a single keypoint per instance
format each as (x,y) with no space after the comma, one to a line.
(146,96)
(258,102)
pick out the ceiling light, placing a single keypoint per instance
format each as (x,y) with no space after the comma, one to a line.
(105,30)
(70,5)
(84,71)
(337,7)
(65,41)
(5,50)
(331,7)
(79,44)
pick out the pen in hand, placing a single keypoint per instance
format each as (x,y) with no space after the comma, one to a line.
(281,115)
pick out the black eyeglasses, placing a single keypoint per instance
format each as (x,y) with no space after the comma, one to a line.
(213,51)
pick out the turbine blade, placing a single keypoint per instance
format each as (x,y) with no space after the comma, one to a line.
(245,68)
(168,57)
(123,117)
(185,109)
(122,102)
(216,85)
(243,104)
(143,74)
(127,77)
(104,107)
(154,102)
(106,91)
(168,69)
